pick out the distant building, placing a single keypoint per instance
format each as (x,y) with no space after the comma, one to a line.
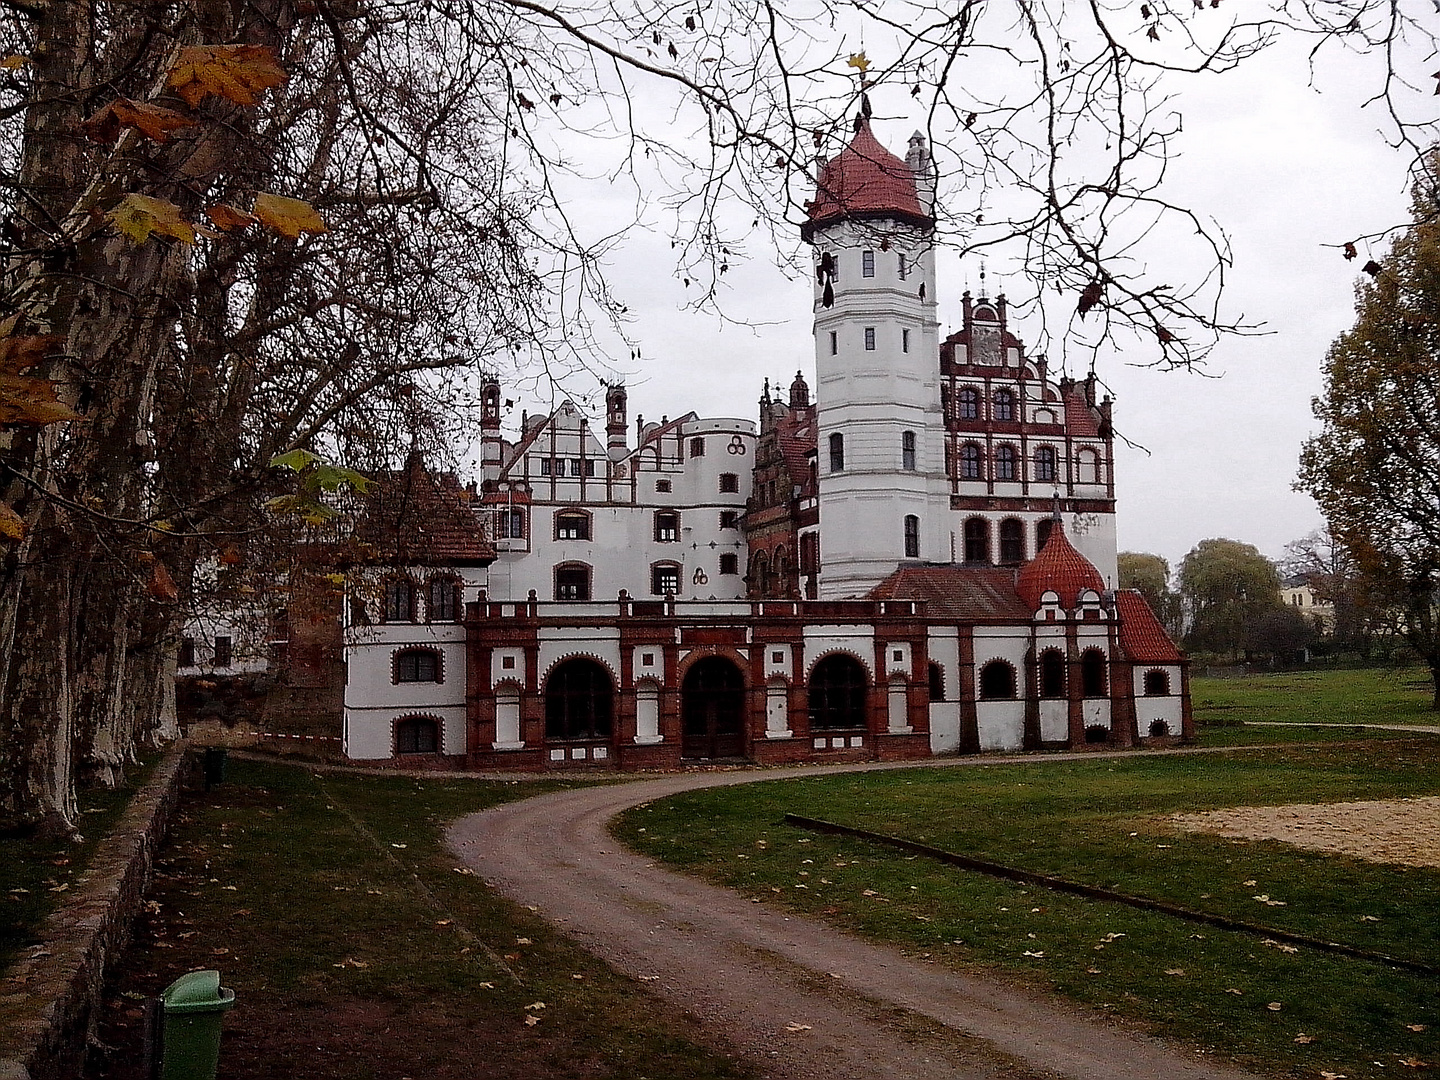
(1299,594)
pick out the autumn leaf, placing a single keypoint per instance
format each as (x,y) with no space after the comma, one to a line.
(228,219)
(531,1020)
(14,62)
(1304,1040)
(1275,1006)
(12,525)
(29,399)
(859,61)
(1372,268)
(294,460)
(1350,252)
(238,73)
(288,217)
(159,584)
(17,353)
(153,121)
(1089,297)
(142,216)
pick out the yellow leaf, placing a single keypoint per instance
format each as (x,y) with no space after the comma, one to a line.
(288,217)
(859,60)
(238,73)
(531,1020)
(153,121)
(228,218)
(12,525)
(25,399)
(14,61)
(141,216)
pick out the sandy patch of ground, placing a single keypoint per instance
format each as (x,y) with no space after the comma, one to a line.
(1405,831)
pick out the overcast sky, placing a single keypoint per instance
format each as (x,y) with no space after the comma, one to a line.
(1282,167)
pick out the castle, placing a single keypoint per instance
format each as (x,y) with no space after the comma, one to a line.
(919,560)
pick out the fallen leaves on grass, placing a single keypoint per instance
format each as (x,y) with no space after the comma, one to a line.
(1415,1027)
(1037,955)
(523,941)
(1275,1006)
(794,1026)
(531,1019)
(535,1005)
(1304,1040)
(1174,971)
(1264,898)
(1272,944)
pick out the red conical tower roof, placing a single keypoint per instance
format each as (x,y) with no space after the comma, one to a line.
(1058,568)
(865,181)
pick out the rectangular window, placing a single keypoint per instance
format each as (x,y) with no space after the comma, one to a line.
(665,580)
(667,528)
(729,563)
(907,450)
(572,527)
(837,452)
(729,519)
(399,601)
(729,482)
(697,447)
(442,600)
(417,665)
(510,524)
(904,269)
(589,466)
(912,536)
(186,657)
(834,342)
(867,264)
(662,486)
(572,583)
(905,340)
(575,466)
(869,339)
(223,654)
(544,466)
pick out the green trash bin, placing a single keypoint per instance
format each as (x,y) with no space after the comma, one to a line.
(193,1006)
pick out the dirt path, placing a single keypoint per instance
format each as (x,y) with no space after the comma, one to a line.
(801,1000)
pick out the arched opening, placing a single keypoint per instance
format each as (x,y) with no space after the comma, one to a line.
(1092,673)
(1042,533)
(579,701)
(712,706)
(1012,541)
(937,682)
(1052,674)
(417,735)
(837,694)
(1157,683)
(977,540)
(997,681)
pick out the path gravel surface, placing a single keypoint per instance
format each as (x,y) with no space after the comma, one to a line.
(801,1000)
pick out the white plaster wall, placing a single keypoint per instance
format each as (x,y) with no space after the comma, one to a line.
(1096,711)
(370,668)
(897,659)
(1168,709)
(370,733)
(777,669)
(599,642)
(648,662)
(1008,643)
(1054,720)
(857,640)
(1002,724)
(944,726)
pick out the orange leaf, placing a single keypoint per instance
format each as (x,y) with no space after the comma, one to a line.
(160,584)
(288,217)
(238,73)
(153,121)
(31,401)
(12,525)
(228,218)
(19,353)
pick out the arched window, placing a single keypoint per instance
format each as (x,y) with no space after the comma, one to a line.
(1092,673)
(417,666)
(1087,467)
(1042,532)
(837,452)
(912,536)
(572,582)
(937,682)
(1157,683)
(760,575)
(969,462)
(907,450)
(579,701)
(967,404)
(1004,463)
(1052,674)
(837,693)
(399,600)
(417,735)
(1045,464)
(1012,541)
(1004,409)
(977,540)
(997,681)
(443,601)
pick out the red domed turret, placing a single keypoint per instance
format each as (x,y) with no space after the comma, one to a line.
(865,181)
(1057,568)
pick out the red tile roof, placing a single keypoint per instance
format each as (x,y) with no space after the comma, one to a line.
(1142,638)
(1058,568)
(865,180)
(959,593)
(418,518)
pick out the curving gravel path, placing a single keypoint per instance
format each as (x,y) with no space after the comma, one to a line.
(799,999)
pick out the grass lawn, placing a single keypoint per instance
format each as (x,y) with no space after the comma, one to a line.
(1103,822)
(1349,696)
(357,950)
(36,874)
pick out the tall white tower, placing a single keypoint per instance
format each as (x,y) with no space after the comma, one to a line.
(883,493)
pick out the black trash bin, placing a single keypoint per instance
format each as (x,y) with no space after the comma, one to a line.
(214,766)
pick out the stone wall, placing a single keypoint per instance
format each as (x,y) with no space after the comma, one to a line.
(49,999)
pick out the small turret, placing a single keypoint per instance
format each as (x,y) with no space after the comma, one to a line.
(615,446)
(491,444)
(799,392)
